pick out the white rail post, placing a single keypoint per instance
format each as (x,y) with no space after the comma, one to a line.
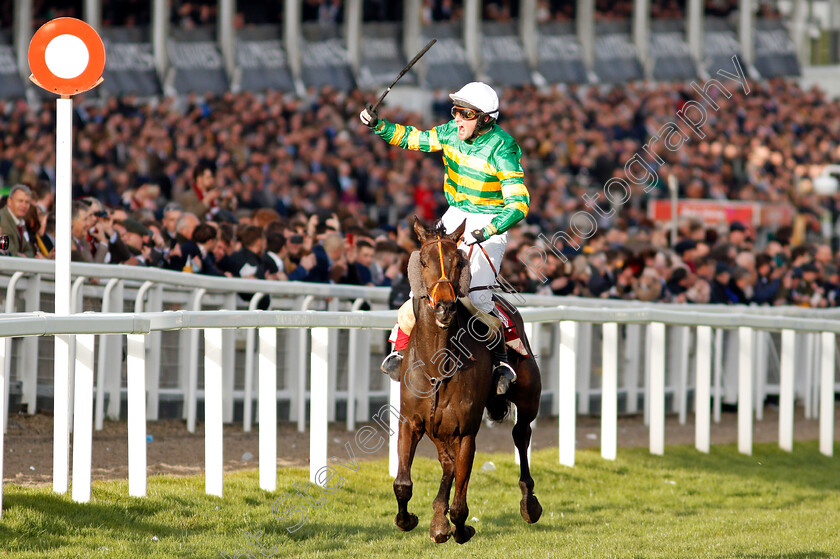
(113,378)
(786,390)
(827,394)
(745,389)
(83,418)
(191,393)
(268,408)
(702,403)
(633,344)
(153,362)
(760,349)
(358,364)
(77,304)
(807,374)
(303,373)
(553,364)
(318,432)
(291,341)
(394,424)
(7,349)
(584,355)
(213,421)
(362,379)
(609,392)
(105,364)
(566,374)
(229,361)
(718,394)
(136,381)
(681,395)
(250,350)
(657,388)
(29,348)
(332,362)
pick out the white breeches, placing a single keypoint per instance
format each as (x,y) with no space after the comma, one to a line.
(482,273)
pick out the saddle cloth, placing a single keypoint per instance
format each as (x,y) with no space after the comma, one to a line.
(513,339)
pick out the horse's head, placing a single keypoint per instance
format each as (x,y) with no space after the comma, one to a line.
(440,270)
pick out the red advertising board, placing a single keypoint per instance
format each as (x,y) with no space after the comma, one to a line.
(710,212)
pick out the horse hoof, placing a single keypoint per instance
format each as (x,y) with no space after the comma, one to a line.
(530,509)
(440,538)
(407,525)
(464,534)
(440,532)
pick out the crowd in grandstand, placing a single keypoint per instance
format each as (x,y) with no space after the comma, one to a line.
(188,14)
(288,188)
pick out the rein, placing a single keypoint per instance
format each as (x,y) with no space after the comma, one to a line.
(490,262)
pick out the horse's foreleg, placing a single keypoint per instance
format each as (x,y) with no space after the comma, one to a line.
(529,506)
(410,435)
(439,530)
(459,510)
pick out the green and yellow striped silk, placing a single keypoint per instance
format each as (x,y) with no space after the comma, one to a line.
(482,176)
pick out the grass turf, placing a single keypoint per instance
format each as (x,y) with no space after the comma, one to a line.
(685,504)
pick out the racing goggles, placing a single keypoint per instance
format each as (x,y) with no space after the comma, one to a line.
(466,113)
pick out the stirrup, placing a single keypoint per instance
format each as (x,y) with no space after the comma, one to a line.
(506,376)
(392,364)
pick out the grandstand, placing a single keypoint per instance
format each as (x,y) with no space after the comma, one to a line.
(198,46)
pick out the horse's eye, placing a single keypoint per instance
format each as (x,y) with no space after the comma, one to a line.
(424,263)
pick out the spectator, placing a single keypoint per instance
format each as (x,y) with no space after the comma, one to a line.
(171,212)
(364,259)
(205,198)
(768,281)
(719,284)
(248,263)
(103,225)
(205,238)
(275,251)
(185,254)
(13,222)
(738,286)
(84,249)
(326,264)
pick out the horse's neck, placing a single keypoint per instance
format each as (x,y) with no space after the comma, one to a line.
(433,337)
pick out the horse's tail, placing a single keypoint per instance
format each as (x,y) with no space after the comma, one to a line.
(498,407)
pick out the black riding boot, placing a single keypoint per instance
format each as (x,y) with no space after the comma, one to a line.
(502,371)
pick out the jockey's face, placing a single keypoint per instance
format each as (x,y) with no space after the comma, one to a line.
(465,127)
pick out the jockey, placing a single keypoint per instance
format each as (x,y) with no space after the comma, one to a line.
(484,184)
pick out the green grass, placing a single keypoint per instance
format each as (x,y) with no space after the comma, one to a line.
(685,504)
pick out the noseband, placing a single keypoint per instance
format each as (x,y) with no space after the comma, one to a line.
(443,279)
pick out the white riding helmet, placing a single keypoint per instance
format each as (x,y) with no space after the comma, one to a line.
(478,96)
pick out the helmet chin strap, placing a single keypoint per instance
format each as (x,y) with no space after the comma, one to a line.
(481,128)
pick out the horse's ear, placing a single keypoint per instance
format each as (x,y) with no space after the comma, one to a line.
(421,229)
(459,232)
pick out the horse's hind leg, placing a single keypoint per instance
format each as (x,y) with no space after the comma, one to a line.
(529,506)
(410,435)
(439,530)
(459,510)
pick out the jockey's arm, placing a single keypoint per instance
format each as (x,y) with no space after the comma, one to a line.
(408,137)
(514,193)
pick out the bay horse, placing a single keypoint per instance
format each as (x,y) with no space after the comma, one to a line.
(446,383)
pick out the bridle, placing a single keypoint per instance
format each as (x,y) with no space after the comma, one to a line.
(443,279)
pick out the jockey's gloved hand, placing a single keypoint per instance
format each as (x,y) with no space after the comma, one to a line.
(369,117)
(478,235)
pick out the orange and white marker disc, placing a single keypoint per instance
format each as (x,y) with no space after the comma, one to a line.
(66,56)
